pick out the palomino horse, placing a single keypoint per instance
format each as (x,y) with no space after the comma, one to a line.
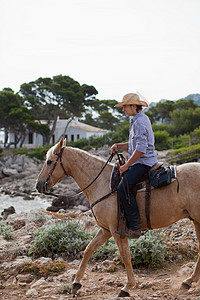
(167,206)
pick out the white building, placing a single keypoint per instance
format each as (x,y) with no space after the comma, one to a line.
(72,130)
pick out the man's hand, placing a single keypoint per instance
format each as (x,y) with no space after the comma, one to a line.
(114,149)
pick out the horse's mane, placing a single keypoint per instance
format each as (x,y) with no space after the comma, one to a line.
(81,152)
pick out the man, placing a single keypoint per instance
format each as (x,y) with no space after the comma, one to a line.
(142,157)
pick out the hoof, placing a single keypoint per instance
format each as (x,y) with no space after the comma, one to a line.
(123,294)
(76,287)
(185,286)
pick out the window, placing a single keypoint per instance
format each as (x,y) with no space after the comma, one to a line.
(53,139)
(66,137)
(30,138)
(72,137)
(78,136)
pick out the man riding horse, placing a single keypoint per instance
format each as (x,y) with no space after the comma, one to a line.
(142,157)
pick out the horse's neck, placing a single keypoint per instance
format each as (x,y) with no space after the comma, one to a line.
(84,167)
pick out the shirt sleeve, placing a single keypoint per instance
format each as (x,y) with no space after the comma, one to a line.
(141,137)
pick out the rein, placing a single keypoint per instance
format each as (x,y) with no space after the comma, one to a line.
(59,156)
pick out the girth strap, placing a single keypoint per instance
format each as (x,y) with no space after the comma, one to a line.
(148,202)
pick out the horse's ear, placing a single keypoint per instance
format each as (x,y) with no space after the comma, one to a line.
(59,145)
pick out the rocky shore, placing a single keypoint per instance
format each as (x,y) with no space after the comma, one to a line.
(99,282)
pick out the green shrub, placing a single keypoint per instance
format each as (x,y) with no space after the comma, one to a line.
(39,152)
(162,140)
(184,154)
(6,230)
(181,141)
(149,249)
(67,238)
(65,289)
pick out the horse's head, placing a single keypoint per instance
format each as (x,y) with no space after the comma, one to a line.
(53,169)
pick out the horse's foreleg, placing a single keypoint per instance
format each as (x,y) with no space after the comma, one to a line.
(196,274)
(126,258)
(101,237)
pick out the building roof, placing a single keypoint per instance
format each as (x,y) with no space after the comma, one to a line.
(75,123)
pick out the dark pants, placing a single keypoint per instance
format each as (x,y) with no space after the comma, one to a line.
(129,179)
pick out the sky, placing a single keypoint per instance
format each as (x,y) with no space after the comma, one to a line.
(118,46)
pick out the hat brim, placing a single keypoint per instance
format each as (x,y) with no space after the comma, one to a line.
(140,102)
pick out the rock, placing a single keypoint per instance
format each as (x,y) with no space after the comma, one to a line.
(43,260)
(39,282)
(9,172)
(24,278)
(187,269)
(81,208)
(32,293)
(8,211)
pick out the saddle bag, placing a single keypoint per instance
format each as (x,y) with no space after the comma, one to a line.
(161,177)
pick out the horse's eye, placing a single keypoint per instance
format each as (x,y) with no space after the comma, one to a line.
(49,162)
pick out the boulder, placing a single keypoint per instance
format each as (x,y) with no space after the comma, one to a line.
(9,171)
(8,211)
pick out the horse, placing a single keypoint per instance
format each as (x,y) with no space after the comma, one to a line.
(167,205)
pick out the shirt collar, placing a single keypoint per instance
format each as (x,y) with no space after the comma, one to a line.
(133,119)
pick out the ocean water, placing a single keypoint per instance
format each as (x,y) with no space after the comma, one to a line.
(22,205)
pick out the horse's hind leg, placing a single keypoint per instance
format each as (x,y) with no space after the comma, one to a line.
(196,274)
(126,258)
(101,237)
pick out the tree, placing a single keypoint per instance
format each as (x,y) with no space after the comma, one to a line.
(15,117)
(107,121)
(185,104)
(8,102)
(186,120)
(48,97)
(161,112)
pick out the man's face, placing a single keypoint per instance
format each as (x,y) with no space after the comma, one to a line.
(130,110)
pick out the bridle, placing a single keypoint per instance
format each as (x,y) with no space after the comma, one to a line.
(59,157)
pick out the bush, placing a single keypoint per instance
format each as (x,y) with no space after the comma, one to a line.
(149,249)
(184,154)
(162,140)
(181,141)
(67,238)
(39,152)
(6,230)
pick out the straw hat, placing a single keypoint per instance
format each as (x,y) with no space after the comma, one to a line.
(131,98)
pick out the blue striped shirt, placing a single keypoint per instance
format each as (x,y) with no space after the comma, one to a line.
(141,138)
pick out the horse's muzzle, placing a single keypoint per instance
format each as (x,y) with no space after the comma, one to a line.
(42,186)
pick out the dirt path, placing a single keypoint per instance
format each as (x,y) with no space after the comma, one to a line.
(158,284)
